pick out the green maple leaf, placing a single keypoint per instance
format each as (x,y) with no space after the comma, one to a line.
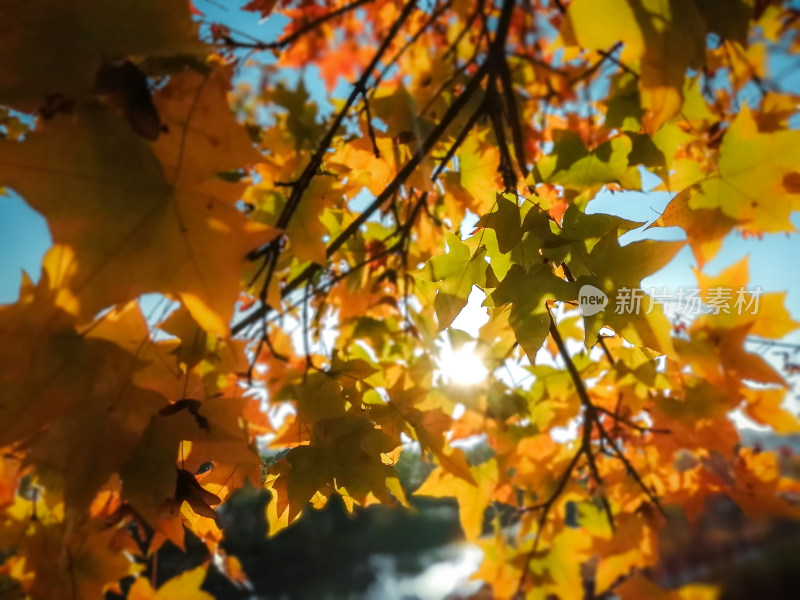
(505,218)
(572,165)
(458,270)
(527,292)
(614,268)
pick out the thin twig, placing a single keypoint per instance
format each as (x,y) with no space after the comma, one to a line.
(473,119)
(620,419)
(514,121)
(370,129)
(411,41)
(467,26)
(296,35)
(387,193)
(592,69)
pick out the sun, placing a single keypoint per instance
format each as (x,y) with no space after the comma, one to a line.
(462,366)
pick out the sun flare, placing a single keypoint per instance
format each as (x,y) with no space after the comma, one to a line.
(462,366)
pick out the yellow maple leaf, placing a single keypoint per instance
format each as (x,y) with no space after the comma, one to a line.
(144,218)
(472,499)
(180,587)
(663,38)
(753,181)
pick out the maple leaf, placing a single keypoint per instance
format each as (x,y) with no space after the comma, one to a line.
(95,566)
(528,291)
(473,498)
(506,219)
(261,6)
(80,39)
(572,165)
(159,368)
(71,393)
(9,474)
(203,354)
(458,270)
(306,231)
(697,420)
(770,320)
(144,218)
(344,456)
(374,172)
(664,38)
(705,228)
(185,585)
(641,587)
(720,354)
(410,412)
(632,545)
(120,431)
(767,407)
(477,175)
(751,165)
(615,267)
(157,487)
(302,118)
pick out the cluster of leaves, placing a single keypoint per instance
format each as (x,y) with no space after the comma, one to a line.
(121,430)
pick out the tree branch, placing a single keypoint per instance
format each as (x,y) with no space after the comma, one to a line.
(296,35)
(390,189)
(497,48)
